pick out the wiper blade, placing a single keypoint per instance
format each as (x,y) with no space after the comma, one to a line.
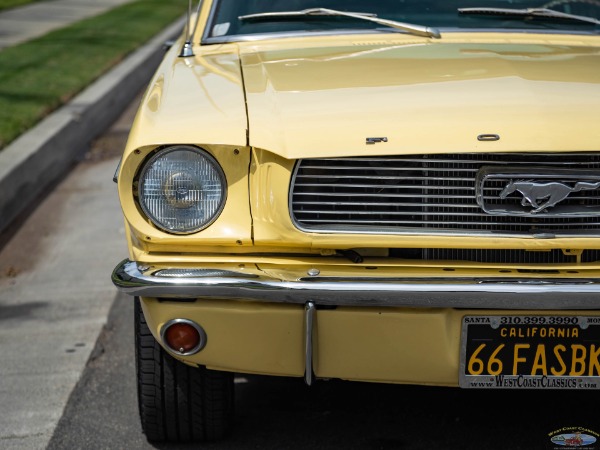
(418,30)
(529,12)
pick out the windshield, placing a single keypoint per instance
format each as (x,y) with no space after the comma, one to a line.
(235,18)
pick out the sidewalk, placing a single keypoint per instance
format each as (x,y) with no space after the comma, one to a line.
(36,19)
(55,264)
(33,162)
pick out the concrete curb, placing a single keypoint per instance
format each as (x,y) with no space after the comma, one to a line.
(38,158)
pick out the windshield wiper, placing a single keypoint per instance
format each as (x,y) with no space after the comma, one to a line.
(418,30)
(528,12)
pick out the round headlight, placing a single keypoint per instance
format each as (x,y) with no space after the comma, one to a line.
(182,189)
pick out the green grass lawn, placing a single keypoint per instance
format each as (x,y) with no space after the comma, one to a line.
(6,4)
(39,76)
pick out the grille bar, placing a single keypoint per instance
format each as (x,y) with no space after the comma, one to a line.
(379,204)
(496,256)
(374,186)
(424,223)
(433,193)
(383,194)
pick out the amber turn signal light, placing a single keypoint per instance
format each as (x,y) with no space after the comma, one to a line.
(183,336)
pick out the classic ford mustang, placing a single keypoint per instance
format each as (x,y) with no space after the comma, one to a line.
(400,191)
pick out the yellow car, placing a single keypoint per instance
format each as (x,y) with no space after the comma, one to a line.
(396,192)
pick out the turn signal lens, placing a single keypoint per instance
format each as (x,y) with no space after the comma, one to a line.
(183,336)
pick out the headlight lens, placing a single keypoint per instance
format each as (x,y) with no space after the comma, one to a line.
(182,189)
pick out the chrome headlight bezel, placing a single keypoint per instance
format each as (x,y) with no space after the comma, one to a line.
(169,225)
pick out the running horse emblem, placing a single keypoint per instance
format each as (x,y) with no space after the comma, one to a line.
(553,192)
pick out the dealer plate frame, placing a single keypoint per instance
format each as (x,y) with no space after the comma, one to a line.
(522,381)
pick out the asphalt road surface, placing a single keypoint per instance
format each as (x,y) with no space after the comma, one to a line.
(99,410)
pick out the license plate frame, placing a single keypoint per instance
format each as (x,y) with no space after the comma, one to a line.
(529,352)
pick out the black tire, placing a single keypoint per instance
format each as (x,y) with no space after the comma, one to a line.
(178,403)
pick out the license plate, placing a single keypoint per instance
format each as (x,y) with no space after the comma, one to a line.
(530,352)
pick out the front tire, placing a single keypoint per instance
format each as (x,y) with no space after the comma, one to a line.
(177,402)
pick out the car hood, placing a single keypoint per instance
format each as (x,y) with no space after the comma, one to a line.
(437,97)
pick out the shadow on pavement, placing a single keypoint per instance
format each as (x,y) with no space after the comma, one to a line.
(282,413)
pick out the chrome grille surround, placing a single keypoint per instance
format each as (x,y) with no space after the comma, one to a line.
(430,194)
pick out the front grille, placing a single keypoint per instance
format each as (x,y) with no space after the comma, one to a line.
(496,256)
(434,194)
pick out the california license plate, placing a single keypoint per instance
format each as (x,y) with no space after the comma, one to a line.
(530,352)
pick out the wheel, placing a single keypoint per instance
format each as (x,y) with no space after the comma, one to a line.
(178,403)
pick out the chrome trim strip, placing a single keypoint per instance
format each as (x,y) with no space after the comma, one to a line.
(419,232)
(117,170)
(309,314)
(208,40)
(490,293)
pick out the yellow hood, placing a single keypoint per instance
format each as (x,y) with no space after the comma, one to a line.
(424,96)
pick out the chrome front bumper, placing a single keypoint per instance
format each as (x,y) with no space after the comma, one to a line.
(460,292)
